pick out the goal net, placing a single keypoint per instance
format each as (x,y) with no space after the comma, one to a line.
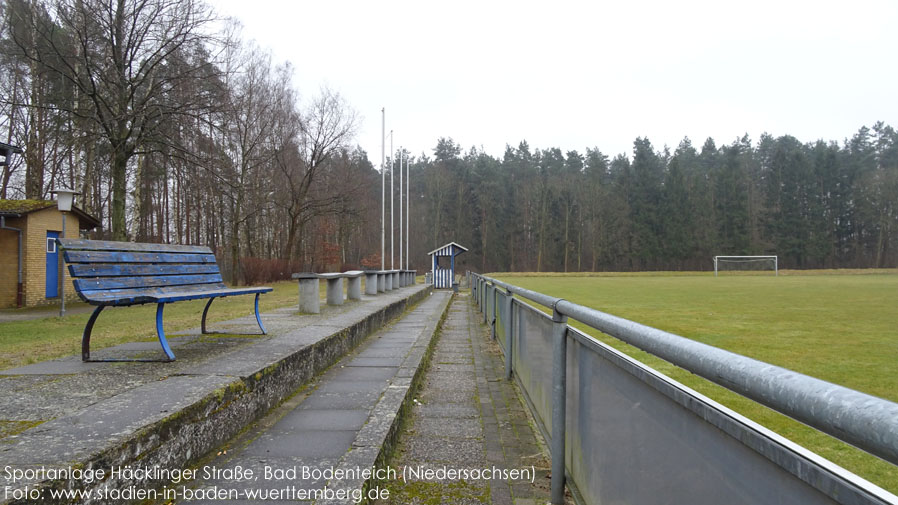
(745,263)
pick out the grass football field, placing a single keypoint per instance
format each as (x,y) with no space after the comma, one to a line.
(837,326)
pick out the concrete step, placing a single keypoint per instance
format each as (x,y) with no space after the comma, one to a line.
(88,418)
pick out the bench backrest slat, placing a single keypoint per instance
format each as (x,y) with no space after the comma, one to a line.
(144,295)
(138,269)
(103,245)
(157,290)
(106,283)
(134,257)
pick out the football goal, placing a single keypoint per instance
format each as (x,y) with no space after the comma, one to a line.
(752,263)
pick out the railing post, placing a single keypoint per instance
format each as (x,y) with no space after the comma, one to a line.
(480,293)
(495,314)
(559,398)
(509,316)
(486,307)
(477,283)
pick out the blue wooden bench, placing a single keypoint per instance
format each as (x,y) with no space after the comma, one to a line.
(126,273)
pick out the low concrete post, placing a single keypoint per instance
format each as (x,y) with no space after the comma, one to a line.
(396,284)
(508,322)
(334,288)
(559,400)
(382,281)
(370,283)
(354,285)
(388,280)
(309,302)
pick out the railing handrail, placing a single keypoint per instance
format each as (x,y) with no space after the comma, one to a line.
(865,421)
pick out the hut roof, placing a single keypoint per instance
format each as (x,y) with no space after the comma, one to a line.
(19,208)
(447,250)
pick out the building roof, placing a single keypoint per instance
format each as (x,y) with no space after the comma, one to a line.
(19,208)
(446,250)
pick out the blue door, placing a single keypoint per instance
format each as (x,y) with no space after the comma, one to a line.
(52,265)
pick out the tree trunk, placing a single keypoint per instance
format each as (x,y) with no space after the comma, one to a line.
(235,241)
(119,187)
(567,227)
(138,230)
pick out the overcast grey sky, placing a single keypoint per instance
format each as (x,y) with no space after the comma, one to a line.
(589,74)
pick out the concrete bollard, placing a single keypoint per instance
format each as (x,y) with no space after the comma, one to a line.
(382,281)
(354,284)
(388,280)
(370,283)
(309,302)
(396,284)
(334,288)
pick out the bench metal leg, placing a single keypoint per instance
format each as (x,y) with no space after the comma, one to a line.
(85,341)
(160,332)
(206,311)
(258,318)
(85,338)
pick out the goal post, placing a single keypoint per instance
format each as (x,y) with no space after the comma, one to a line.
(747,259)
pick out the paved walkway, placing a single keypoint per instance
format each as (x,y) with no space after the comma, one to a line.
(469,417)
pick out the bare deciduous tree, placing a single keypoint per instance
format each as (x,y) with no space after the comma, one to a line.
(115,54)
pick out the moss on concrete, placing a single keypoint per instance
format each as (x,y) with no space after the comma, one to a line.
(9,428)
(436,493)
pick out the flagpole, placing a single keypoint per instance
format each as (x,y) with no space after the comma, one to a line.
(383,186)
(392,192)
(400,208)
(408,211)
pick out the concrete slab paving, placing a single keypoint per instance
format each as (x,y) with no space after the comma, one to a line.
(324,419)
(282,443)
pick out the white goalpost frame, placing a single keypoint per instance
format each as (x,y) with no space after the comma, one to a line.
(748,259)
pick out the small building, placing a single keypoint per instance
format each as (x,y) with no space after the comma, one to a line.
(442,260)
(30,266)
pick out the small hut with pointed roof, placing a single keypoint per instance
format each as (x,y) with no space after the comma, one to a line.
(444,275)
